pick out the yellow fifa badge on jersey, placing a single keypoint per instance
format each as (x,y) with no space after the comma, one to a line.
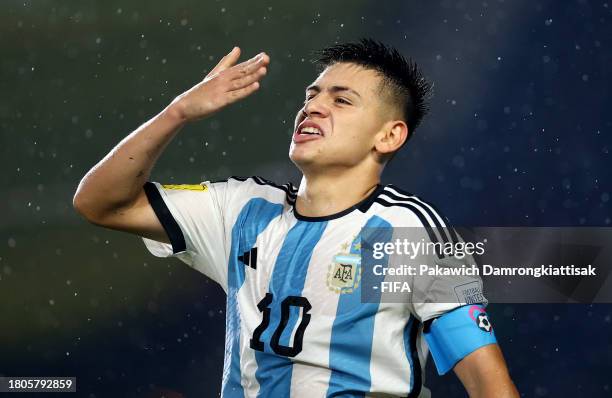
(344,273)
(188,187)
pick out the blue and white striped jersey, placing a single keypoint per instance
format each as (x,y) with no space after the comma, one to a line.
(291,329)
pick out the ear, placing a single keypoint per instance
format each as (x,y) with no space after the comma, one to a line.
(391,137)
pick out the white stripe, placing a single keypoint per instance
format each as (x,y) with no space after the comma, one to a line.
(311,371)
(389,366)
(423,351)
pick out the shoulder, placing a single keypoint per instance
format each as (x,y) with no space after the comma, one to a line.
(256,186)
(407,209)
(403,209)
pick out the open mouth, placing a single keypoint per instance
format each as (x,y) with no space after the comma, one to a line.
(306,131)
(310,131)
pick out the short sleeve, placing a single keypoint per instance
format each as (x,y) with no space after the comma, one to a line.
(436,245)
(193,218)
(442,292)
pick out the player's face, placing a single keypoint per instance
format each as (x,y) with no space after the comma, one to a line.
(341,116)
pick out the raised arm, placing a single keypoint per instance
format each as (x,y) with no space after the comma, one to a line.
(111,194)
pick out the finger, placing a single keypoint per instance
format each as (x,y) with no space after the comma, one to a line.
(246,63)
(236,95)
(249,79)
(227,61)
(250,66)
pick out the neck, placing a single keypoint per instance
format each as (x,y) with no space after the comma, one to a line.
(329,193)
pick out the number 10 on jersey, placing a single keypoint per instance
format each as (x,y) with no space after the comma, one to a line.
(264,307)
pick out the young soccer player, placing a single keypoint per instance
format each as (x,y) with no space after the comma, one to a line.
(296,325)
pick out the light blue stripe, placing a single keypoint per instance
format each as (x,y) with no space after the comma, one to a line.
(353,331)
(252,220)
(273,371)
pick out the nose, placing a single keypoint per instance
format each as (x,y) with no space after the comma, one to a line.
(316,107)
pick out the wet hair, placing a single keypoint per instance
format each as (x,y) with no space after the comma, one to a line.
(403,81)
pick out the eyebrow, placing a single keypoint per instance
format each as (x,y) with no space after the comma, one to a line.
(333,89)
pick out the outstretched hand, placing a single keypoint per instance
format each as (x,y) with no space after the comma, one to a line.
(226,83)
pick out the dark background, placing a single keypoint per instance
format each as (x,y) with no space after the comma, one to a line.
(519,135)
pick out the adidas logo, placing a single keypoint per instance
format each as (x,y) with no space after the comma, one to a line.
(249,258)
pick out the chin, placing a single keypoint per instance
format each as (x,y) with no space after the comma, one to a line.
(302,159)
(297,154)
(299,160)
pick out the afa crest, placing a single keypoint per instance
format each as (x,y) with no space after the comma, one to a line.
(344,273)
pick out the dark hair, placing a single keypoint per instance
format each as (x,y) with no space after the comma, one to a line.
(404,80)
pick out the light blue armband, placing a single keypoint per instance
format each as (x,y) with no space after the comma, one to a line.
(455,334)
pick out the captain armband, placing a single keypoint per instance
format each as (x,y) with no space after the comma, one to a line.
(454,335)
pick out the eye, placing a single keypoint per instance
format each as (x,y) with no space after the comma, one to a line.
(341,100)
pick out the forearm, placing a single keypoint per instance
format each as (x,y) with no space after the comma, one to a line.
(493,385)
(117,180)
(484,374)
